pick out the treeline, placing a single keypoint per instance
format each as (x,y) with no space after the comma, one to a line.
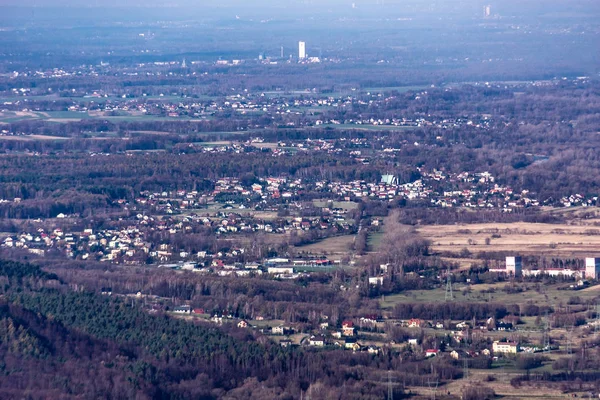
(465,311)
(419,213)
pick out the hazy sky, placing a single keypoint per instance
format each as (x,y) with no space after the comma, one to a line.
(308,5)
(286,3)
(195,9)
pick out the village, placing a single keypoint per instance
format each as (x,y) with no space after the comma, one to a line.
(235,209)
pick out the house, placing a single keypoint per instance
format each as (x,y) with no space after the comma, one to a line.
(198,311)
(377,280)
(317,341)
(285,343)
(242,324)
(462,325)
(373,350)
(431,353)
(369,320)
(413,342)
(182,310)
(280,270)
(504,326)
(505,347)
(348,328)
(324,325)
(352,344)
(415,323)
(459,354)
(278,330)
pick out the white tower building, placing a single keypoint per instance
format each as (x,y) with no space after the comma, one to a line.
(592,268)
(487,11)
(514,266)
(301,50)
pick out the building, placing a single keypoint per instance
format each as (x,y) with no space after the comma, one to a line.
(389,179)
(505,347)
(352,344)
(280,270)
(514,266)
(458,354)
(377,280)
(279,330)
(348,328)
(302,50)
(592,268)
(182,310)
(487,11)
(318,341)
(242,324)
(431,353)
(415,323)
(556,272)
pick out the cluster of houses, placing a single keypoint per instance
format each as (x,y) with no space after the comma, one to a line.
(477,190)
(347,337)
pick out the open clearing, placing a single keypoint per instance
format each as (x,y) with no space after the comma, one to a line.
(32,137)
(493,293)
(339,245)
(346,205)
(559,240)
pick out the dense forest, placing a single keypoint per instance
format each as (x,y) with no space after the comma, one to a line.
(54,340)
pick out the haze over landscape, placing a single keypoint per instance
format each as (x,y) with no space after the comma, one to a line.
(369,199)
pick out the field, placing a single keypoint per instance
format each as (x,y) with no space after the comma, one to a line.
(558,240)
(33,137)
(493,293)
(374,241)
(346,205)
(501,386)
(334,246)
(73,116)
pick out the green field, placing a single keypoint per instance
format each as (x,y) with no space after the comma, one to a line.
(374,241)
(547,295)
(346,205)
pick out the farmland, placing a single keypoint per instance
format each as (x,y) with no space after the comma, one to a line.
(558,240)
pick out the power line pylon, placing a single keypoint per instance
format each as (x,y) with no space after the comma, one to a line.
(546,337)
(390,388)
(570,340)
(449,294)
